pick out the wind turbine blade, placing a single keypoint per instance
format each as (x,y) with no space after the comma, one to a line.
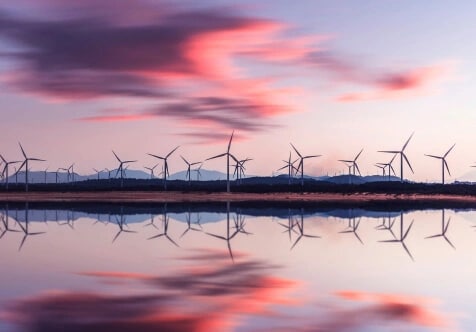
(447,225)
(234,158)
(408,251)
(229,143)
(433,156)
(358,170)
(22,151)
(185,160)
(393,158)
(119,160)
(391,167)
(21,166)
(358,155)
(408,163)
(279,169)
(296,150)
(446,165)
(155,156)
(408,140)
(170,153)
(3,159)
(346,161)
(449,151)
(218,156)
(313,156)
(36,159)
(408,231)
(389,151)
(129,161)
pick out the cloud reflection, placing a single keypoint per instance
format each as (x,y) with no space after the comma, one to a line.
(206,296)
(209,293)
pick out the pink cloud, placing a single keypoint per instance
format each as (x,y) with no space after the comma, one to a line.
(403,84)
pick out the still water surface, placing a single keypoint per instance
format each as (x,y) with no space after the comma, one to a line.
(237,270)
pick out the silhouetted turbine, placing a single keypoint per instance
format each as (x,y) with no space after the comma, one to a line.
(121,167)
(228,155)
(290,166)
(151,169)
(443,163)
(5,169)
(25,164)
(301,163)
(189,165)
(353,164)
(402,156)
(166,165)
(389,165)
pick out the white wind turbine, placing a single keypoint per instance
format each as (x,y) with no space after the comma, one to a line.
(402,156)
(443,163)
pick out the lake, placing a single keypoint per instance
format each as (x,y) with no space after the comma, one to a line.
(226,268)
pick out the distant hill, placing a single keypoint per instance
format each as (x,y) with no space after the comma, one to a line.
(206,175)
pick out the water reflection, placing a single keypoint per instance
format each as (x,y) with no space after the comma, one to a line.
(20,220)
(238,227)
(403,235)
(283,269)
(444,230)
(211,294)
(165,227)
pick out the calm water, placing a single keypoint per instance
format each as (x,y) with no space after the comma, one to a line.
(183,269)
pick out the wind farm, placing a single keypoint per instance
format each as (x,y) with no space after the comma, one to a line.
(237,166)
(292,178)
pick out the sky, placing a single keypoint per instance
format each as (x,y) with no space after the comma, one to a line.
(79,79)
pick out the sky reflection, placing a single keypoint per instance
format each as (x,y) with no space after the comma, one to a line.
(232,271)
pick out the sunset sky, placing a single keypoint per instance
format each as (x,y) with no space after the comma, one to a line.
(79,78)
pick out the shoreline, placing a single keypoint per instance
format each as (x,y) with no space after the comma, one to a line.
(204,197)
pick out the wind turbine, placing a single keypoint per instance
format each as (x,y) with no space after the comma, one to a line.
(353,163)
(71,171)
(189,165)
(25,164)
(97,172)
(151,169)
(443,163)
(382,167)
(198,171)
(166,165)
(290,166)
(5,169)
(301,163)
(240,169)
(67,173)
(228,155)
(389,165)
(46,173)
(402,156)
(121,167)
